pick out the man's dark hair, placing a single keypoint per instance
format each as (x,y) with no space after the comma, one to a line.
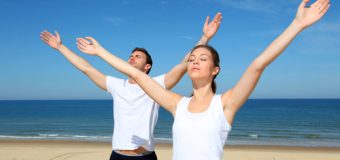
(148,57)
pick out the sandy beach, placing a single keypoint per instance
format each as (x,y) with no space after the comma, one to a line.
(73,150)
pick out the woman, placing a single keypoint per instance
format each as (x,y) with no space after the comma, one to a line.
(203,121)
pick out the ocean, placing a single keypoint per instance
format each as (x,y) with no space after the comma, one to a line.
(282,122)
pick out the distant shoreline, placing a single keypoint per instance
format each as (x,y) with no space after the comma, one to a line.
(169,141)
(230,146)
(75,150)
(304,123)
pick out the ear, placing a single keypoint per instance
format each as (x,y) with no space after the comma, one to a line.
(147,67)
(216,70)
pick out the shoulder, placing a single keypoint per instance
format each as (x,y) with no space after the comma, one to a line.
(160,79)
(112,83)
(111,79)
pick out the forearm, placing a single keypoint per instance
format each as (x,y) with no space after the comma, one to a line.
(176,73)
(245,86)
(278,46)
(163,97)
(203,41)
(74,59)
(118,63)
(183,65)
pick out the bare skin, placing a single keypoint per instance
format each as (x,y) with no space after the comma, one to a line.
(233,99)
(137,60)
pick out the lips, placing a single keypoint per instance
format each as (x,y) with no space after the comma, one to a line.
(195,69)
(132,61)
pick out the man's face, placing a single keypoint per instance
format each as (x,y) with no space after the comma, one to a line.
(138,60)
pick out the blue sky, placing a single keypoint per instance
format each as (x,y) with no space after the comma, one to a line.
(309,68)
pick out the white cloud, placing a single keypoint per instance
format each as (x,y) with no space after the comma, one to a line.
(324,33)
(326,27)
(164,2)
(249,5)
(265,6)
(267,33)
(126,2)
(114,20)
(321,39)
(319,29)
(186,37)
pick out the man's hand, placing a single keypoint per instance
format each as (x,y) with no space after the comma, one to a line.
(88,45)
(53,41)
(211,28)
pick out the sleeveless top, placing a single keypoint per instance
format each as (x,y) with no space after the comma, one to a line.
(199,136)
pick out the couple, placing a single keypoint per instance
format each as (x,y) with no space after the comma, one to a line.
(201,122)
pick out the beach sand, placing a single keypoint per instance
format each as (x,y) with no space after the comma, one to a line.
(73,150)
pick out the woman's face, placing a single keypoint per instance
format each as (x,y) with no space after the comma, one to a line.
(201,64)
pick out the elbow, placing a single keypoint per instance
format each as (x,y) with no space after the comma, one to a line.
(259,66)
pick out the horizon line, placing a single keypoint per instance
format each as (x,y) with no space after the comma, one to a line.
(112,99)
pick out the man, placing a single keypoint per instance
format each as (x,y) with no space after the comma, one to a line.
(135,113)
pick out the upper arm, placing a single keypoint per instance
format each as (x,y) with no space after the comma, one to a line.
(97,77)
(175,98)
(233,99)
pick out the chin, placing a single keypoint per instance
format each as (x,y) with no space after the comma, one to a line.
(133,64)
(195,75)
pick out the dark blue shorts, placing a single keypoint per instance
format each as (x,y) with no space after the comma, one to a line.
(117,156)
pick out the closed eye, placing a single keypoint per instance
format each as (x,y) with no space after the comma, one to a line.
(203,59)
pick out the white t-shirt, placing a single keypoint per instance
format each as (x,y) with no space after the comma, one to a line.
(135,114)
(199,136)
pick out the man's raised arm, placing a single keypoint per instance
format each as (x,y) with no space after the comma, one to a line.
(81,64)
(177,72)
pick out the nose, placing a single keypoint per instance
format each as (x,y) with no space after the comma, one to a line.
(195,61)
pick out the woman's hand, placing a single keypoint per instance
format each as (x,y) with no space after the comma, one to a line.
(307,16)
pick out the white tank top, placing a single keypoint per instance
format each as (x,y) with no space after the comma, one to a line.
(199,136)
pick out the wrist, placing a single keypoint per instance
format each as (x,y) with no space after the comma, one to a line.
(100,52)
(60,47)
(204,39)
(298,26)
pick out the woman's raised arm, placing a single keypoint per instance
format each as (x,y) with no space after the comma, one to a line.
(306,16)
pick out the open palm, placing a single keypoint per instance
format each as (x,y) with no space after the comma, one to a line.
(307,16)
(211,28)
(53,41)
(88,45)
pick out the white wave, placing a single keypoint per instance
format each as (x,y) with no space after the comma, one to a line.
(60,137)
(253,136)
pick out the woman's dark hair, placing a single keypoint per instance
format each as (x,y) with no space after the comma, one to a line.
(148,57)
(216,60)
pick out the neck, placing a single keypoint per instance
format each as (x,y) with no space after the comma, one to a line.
(202,90)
